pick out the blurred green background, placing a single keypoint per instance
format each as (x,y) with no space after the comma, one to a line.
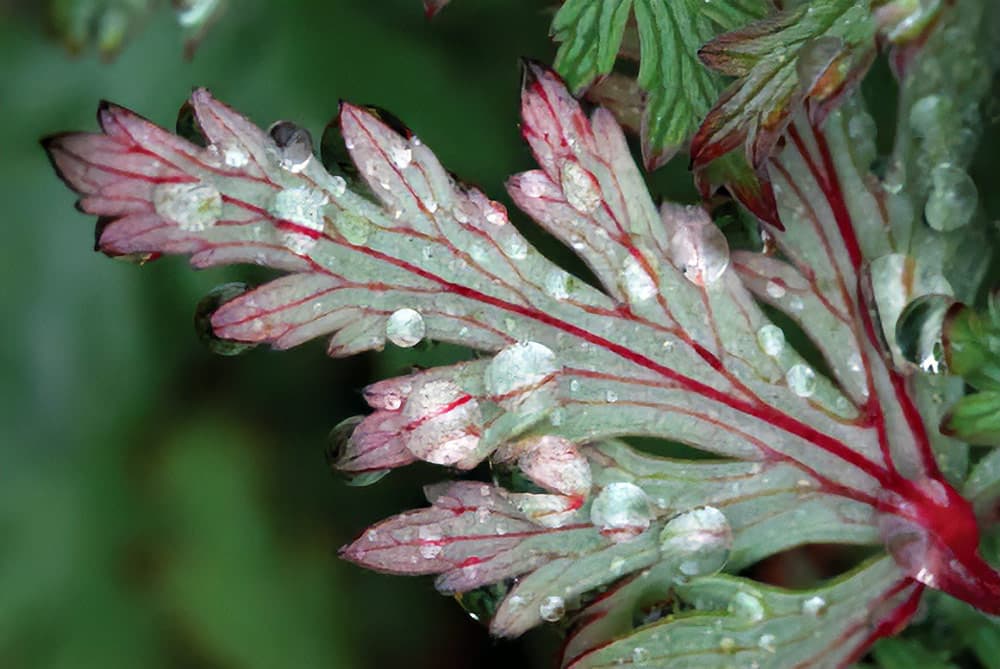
(163,507)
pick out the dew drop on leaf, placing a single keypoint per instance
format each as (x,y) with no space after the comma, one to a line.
(771,339)
(952,200)
(203,319)
(521,377)
(557,284)
(295,145)
(747,606)
(445,423)
(621,511)
(814,606)
(919,331)
(405,328)
(766,643)
(697,541)
(552,609)
(192,206)
(640,655)
(579,187)
(400,154)
(638,285)
(700,250)
(801,380)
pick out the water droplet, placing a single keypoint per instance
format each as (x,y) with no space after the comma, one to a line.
(611,396)
(337,185)
(698,247)
(771,339)
(580,187)
(919,331)
(814,606)
(192,206)
(636,281)
(952,200)
(295,145)
(513,245)
(640,655)
(445,423)
(747,606)
(483,602)
(766,642)
(522,377)
(697,541)
(621,511)
(727,644)
(405,328)
(775,289)
(203,319)
(927,115)
(801,380)
(557,284)
(552,609)
(400,154)
(233,156)
(355,229)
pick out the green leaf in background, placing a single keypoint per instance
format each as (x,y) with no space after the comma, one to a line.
(679,88)
(814,52)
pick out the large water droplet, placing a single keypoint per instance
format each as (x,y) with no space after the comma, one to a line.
(919,331)
(295,145)
(580,187)
(522,377)
(621,511)
(771,339)
(192,206)
(552,609)
(405,328)
(952,200)
(698,247)
(801,380)
(697,541)
(445,423)
(203,319)
(636,281)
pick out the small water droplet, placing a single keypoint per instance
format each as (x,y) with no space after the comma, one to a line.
(611,396)
(513,245)
(775,289)
(621,511)
(192,206)
(953,198)
(636,281)
(747,606)
(814,606)
(580,187)
(919,331)
(522,377)
(552,609)
(697,541)
(295,145)
(766,642)
(640,655)
(234,157)
(927,115)
(727,644)
(400,154)
(698,247)
(405,328)
(557,284)
(771,339)
(801,380)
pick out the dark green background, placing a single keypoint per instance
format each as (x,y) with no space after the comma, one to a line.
(162,507)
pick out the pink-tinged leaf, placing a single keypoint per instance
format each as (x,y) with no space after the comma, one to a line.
(432,7)
(674,344)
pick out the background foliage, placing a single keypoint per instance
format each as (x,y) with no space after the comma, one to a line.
(163,507)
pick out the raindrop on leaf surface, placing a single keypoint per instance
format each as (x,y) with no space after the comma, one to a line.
(521,377)
(771,339)
(552,609)
(405,328)
(919,331)
(953,198)
(801,380)
(621,511)
(295,145)
(579,187)
(697,541)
